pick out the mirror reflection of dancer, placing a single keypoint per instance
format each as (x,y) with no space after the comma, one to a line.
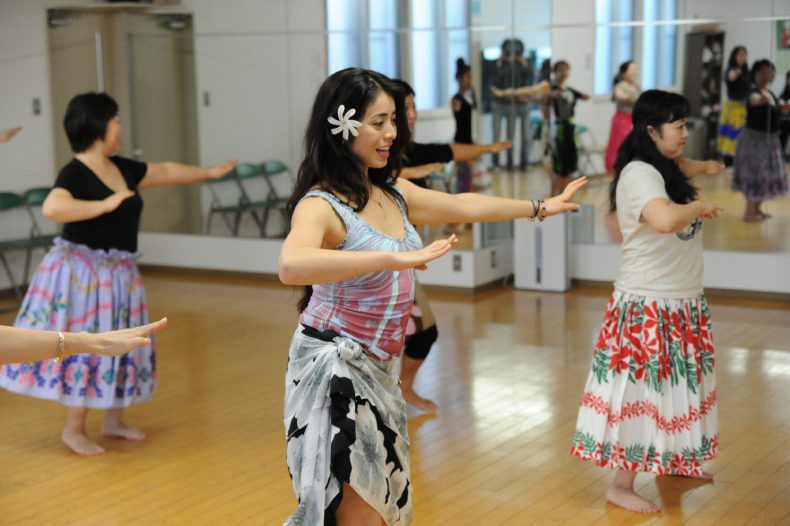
(89,280)
(733,111)
(650,402)
(565,158)
(352,242)
(625,91)
(10,133)
(759,171)
(419,161)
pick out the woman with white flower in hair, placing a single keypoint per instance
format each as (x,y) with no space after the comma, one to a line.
(345,418)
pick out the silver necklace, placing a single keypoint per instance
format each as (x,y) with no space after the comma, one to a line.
(381,206)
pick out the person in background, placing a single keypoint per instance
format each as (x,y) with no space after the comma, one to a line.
(462,104)
(733,111)
(759,171)
(512,72)
(563,100)
(419,161)
(624,93)
(784,122)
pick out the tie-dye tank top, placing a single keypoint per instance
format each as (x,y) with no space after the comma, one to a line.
(372,309)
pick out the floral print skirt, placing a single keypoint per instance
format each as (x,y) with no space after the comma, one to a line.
(345,422)
(759,170)
(650,400)
(731,121)
(77,289)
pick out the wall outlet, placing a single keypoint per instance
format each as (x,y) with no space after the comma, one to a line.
(456,263)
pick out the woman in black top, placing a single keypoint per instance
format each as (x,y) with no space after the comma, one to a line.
(462,104)
(420,161)
(784,122)
(759,170)
(89,280)
(564,156)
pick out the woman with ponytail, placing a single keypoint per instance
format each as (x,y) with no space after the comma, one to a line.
(625,91)
(649,404)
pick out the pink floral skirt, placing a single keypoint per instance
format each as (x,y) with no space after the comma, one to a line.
(77,288)
(621,127)
(650,400)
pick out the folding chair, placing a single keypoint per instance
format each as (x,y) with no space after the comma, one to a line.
(226,199)
(15,234)
(43,231)
(588,147)
(275,172)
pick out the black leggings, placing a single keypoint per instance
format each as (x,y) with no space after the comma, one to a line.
(418,345)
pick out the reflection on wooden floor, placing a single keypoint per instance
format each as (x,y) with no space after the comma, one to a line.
(508,372)
(727,232)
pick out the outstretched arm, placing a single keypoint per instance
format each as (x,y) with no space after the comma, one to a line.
(693,168)
(7,135)
(541,88)
(165,174)
(428,207)
(26,345)
(309,256)
(467,152)
(420,171)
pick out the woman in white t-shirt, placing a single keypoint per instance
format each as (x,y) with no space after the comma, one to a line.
(649,404)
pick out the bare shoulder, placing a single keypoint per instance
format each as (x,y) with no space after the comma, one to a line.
(314,216)
(405,187)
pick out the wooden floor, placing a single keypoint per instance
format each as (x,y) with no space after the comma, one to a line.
(507,372)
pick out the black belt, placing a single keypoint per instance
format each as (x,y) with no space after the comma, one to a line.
(327,335)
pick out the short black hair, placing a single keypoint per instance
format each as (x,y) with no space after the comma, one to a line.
(86,119)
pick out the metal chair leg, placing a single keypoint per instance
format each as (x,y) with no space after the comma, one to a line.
(17,289)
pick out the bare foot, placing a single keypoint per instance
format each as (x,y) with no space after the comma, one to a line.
(417,401)
(764,215)
(121,430)
(628,499)
(753,218)
(80,444)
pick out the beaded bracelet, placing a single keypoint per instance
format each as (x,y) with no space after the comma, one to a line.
(543,211)
(61,347)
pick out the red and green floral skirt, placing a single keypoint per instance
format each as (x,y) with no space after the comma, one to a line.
(650,399)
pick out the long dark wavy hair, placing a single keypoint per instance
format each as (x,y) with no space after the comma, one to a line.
(329,163)
(654,108)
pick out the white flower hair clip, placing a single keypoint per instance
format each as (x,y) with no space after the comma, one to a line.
(344,123)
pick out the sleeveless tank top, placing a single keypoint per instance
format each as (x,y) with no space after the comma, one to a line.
(372,309)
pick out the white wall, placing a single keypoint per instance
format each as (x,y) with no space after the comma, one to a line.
(28,159)
(261,63)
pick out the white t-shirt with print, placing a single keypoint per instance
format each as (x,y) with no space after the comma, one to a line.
(654,264)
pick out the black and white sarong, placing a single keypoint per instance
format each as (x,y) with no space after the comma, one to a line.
(345,421)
